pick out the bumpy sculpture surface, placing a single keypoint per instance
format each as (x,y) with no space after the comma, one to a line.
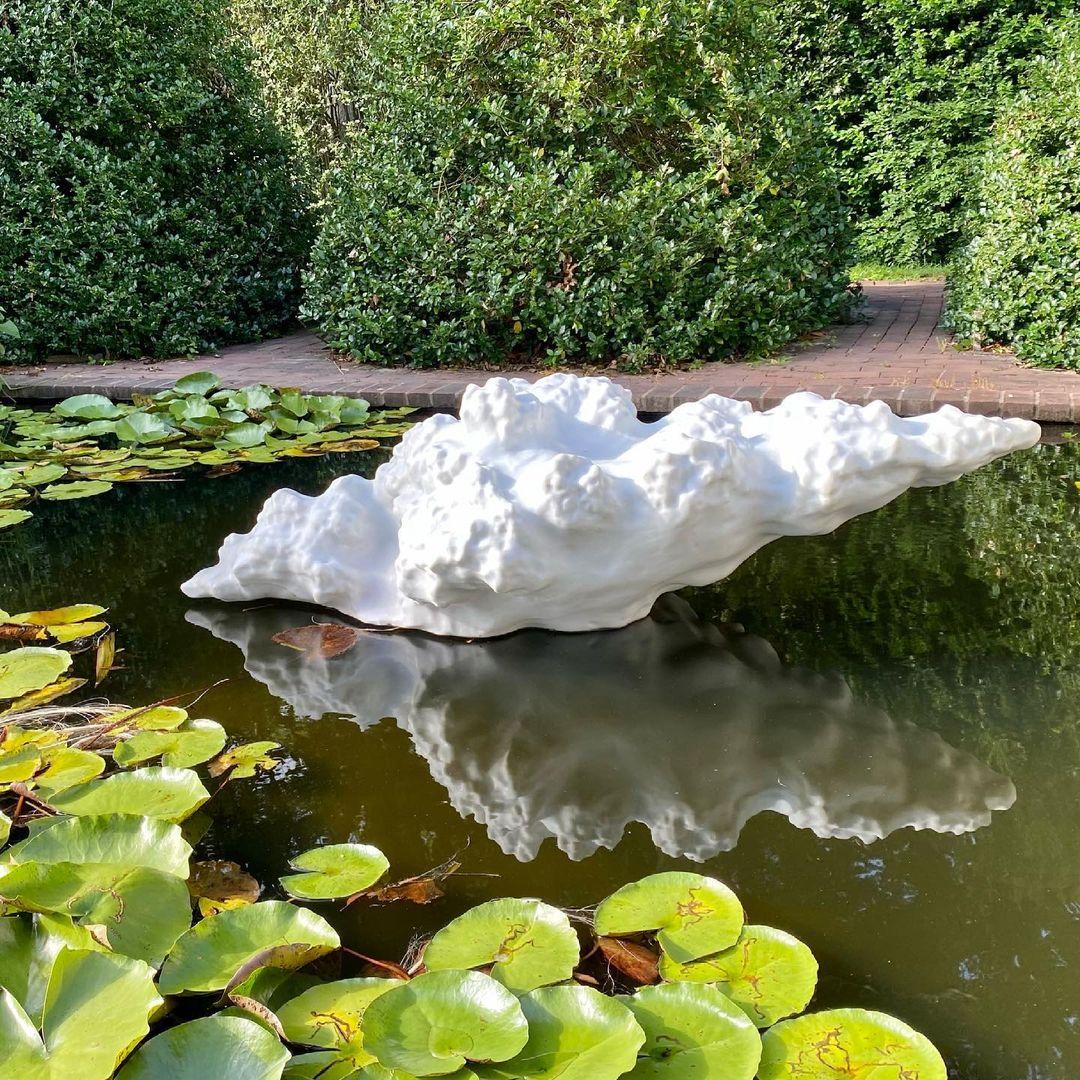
(551,504)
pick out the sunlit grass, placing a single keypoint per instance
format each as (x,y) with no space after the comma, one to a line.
(872,271)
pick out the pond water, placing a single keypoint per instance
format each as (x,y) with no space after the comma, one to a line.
(873,736)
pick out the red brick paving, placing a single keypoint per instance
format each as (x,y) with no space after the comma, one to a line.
(898,354)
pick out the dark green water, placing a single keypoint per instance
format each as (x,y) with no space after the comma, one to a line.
(919,667)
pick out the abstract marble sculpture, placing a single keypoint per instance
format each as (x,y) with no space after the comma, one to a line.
(550,504)
(683,726)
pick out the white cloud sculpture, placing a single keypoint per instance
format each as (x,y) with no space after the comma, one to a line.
(685,727)
(550,504)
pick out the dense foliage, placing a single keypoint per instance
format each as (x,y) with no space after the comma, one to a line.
(146,205)
(909,90)
(606,181)
(1017,282)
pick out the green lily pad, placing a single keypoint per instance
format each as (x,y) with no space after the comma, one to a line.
(8,518)
(192,743)
(212,951)
(335,870)
(246,435)
(848,1042)
(155,792)
(89,407)
(19,765)
(73,613)
(41,474)
(693,1030)
(575,1033)
(245,760)
(153,718)
(198,382)
(330,1016)
(75,489)
(114,839)
(97,1007)
(30,668)
(433,1024)
(143,427)
(768,973)
(527,943)
(214,1046)
(64,767)
(5,832)
(692,915)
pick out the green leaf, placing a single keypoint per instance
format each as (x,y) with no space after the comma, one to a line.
(693,915)
(13,517)
(768,973)
(198,382)
(5,830)
(246,435)
(188,409)
(848,1042)
(212,951)
(431,1025)
(225,1047)
(192,743)
(154,718)
(143,427)
(114,839)
(20,764)
(155,792)
(692,1030)
(66,766)
(89,407)
(527,943)
(575,1033)
(31,668)
(73,613)
(97,1007)
(335,870)
(245,760)
(75,489)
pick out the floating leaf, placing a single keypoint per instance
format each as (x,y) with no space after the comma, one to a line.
(212,951)
(192,743)
(693,915)
(19,765)
(5,832)
(41,474)
(154,792)
(635,962)
(142,427)
(88,407)
(151,718)
(64,767)
(245,760)
(30,668)
(848,1042)
(420,889)
(97,1008)
(57,617)
(320,640)
(334,870)
(246,435)
(76,489)
(769,974)
(431,1025)
(575,1033)
(198,382)
(13,517)
(347,446)
(64,635)
(527,943)
(104,657)
(692,1030)
(219,885)
(231,1047)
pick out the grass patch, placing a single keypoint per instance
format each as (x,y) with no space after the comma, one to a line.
(873,271)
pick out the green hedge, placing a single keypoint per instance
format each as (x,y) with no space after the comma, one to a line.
(146,205)
(620,181)
(1017,281)
(909,90)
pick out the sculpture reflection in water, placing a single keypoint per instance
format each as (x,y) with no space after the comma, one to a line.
(678,724)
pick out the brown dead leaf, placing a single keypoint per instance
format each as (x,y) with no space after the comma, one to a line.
(219,884)
(421,889)
(636,962)
(257,1008)
(17,632)
(321,640)
(226,469)
(104,657)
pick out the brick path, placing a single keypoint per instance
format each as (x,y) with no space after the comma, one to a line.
(897,354)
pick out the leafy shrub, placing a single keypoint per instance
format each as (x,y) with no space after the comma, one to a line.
(592,182)
(1017,281)
(145,201)
(909,90)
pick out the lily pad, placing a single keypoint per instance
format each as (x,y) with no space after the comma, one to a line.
(218,885)
(154,792)
(335,870)
(97,1007)
(693,1030)
(211,952)
(70,632)
(13,517)
(142,427)
(848,1042)
(64,767)
(213,1046)
(527,943)
(75,489)
(575,1033)
(19,765)
(433,1024)
(30,668)
(198,382)
(5,830)
(768,973)
(37,698)
(192,743)
(245,760)
(74,613)
(41,474)
(692,915)
(89,407)
(153,718)
(246,435)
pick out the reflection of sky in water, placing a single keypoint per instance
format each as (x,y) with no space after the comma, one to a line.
(689,729)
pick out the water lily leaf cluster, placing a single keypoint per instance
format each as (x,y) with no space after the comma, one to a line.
(88,443)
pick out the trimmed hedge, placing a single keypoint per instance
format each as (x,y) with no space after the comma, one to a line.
(1017,281)
(909,90)
(146,206)
(625,181)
